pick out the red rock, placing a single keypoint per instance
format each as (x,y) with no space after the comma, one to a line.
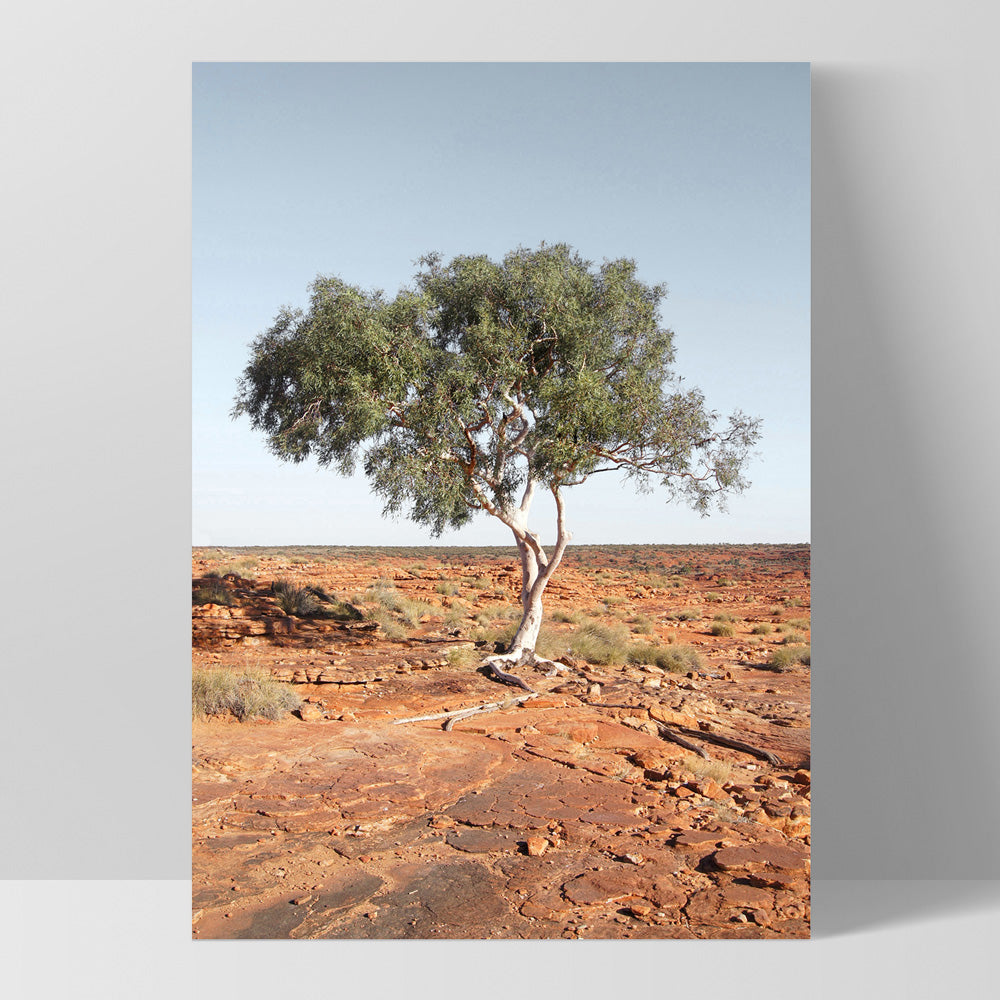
(599,887)
(546,701)
(638,907)
(711,789)
(538,912)
(537,846)
(761,858)
(671,717)
(698,838)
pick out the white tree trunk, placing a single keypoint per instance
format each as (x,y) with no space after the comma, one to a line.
(531,622)
(536,570)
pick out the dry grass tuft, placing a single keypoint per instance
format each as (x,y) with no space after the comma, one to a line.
(248,694)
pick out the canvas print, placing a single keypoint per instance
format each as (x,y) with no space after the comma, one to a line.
(501,567)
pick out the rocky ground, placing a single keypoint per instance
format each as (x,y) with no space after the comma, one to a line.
(573,814)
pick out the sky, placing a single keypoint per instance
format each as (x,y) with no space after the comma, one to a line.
(697,171)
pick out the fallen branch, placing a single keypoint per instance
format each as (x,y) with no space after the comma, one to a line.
(458,713)
(728,741)
(669,734)
(674,735)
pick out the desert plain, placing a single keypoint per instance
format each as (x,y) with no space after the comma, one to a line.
(655,785)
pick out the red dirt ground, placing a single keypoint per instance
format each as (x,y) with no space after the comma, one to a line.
(568,816)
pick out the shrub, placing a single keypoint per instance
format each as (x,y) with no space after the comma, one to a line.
(213,593)
(685,616)
(599,644)
(447,588)
(718,770)
(455,614)
(762,629)
(334,608)
(243,568)
(384,594)
(675,659)
(463,657)
(391,628)
(723,628)
(300,601)
(641,623)
(723,618)
(802,623)
(549,644)
(249,694)
(785,658)
(792,639)
(412,611)
(571,617)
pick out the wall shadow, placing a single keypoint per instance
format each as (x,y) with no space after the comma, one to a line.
(904,697)
(845,906)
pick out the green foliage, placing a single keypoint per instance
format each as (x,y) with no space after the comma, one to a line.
(248,694)
(484,376)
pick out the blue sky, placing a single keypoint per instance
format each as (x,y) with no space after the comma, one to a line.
(699,172)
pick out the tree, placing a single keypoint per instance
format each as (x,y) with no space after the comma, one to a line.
(486,383)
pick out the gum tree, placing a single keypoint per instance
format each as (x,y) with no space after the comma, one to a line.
(485,384)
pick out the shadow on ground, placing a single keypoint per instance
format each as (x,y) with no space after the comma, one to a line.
(850,906)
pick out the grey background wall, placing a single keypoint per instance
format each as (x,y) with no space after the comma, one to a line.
(95,181)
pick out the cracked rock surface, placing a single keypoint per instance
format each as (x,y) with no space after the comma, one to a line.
(566,816)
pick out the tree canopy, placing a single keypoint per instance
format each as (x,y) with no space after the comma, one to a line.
(486,381)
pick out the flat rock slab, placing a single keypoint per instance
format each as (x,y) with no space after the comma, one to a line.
(481,841)
(435,901)
(603,886)
(370,830)
(761,858)
(284,919)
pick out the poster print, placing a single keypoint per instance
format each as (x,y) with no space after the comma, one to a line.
(500,578)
